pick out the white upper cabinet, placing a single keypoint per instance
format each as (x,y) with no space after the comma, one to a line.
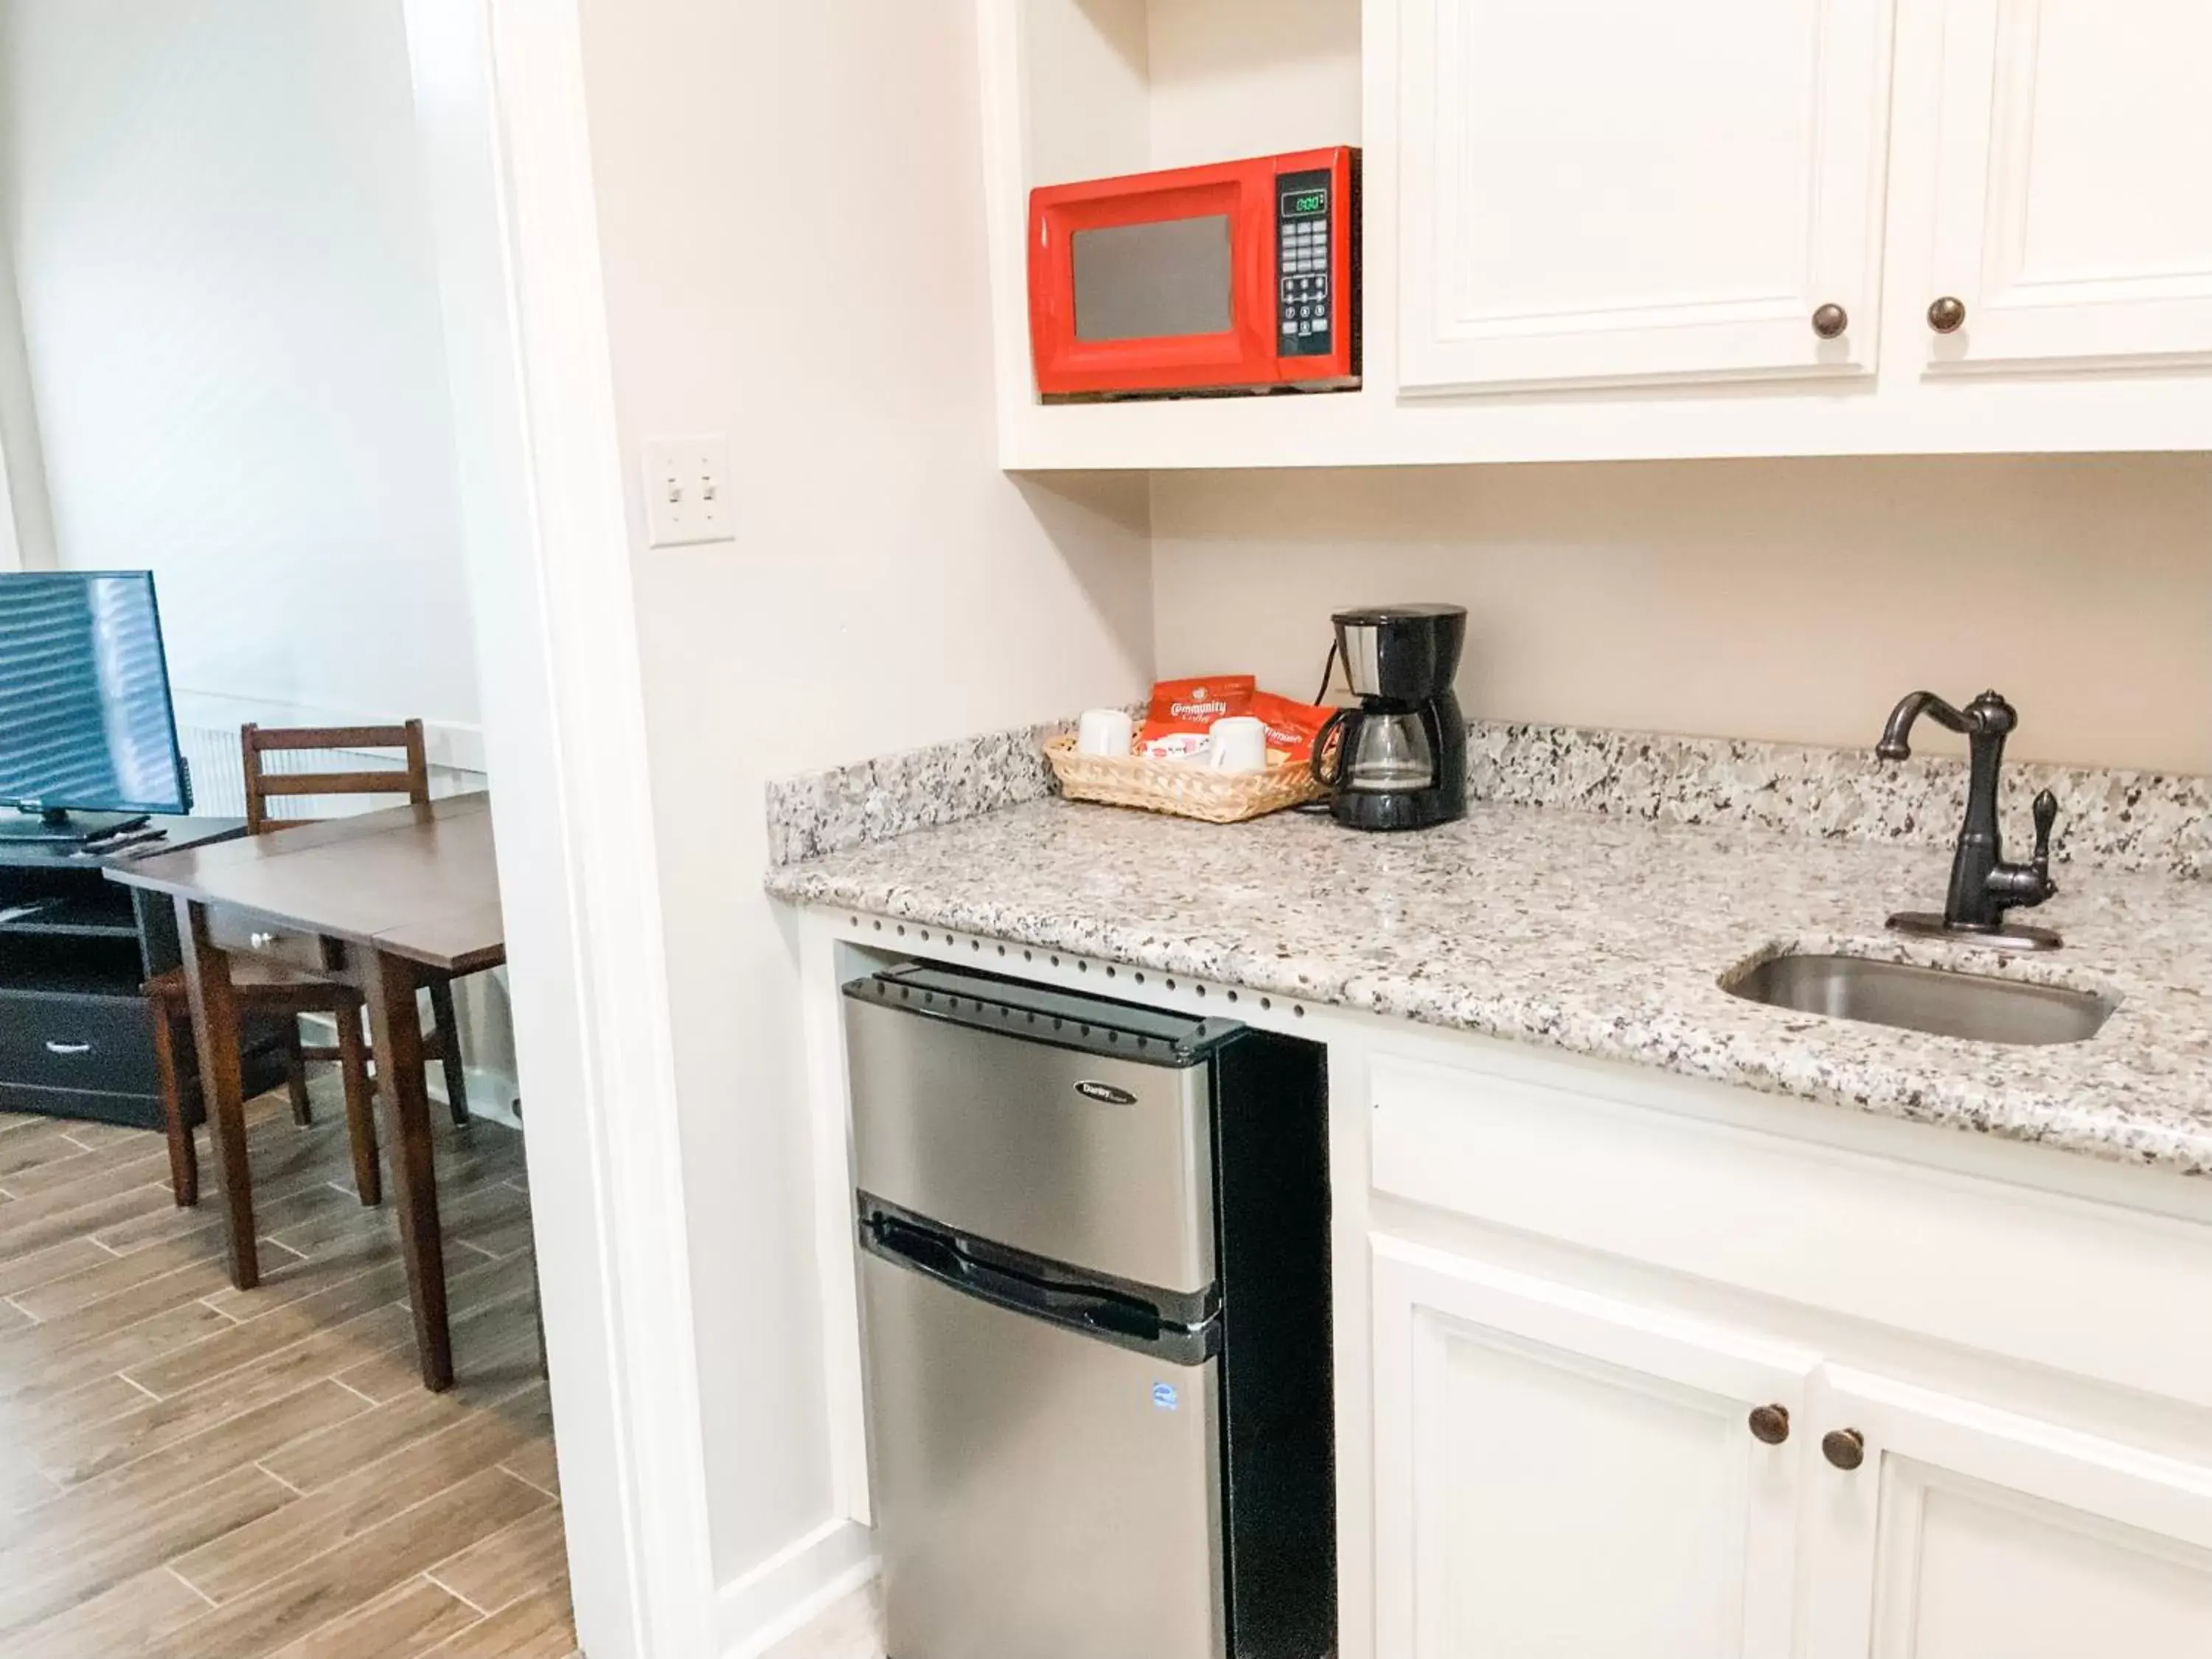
(1611,190)
(1626,229)
(2073,200)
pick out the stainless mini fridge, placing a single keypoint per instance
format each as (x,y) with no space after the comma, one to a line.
(1095,1300)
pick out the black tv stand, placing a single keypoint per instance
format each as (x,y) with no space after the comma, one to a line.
(59,826)
(76,1039)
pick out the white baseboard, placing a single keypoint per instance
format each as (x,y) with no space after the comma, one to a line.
(785,1593)
(491,1093)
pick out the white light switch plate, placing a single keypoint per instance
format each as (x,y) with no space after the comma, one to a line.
(687,491)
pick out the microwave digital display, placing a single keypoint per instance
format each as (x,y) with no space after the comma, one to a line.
(1304,204)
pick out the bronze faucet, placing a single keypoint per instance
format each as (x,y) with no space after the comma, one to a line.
(1983,885)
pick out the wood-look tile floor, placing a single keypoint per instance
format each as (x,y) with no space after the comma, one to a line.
(191,1472)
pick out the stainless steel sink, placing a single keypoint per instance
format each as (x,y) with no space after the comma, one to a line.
(1975,1006)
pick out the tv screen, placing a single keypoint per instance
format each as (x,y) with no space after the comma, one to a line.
(85,718)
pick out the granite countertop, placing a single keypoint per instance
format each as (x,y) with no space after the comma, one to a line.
(1594,935)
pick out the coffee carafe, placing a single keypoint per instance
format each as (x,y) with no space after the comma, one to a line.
(1398,760)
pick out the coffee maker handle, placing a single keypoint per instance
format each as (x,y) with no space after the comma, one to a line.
(1325,774)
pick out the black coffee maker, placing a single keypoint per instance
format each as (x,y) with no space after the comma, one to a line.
(1398,760)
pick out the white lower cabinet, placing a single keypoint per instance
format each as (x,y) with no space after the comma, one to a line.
(1563,1475)
(1558,1474)
(1970,1532)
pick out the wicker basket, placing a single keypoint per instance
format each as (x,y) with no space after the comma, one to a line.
(1188,791)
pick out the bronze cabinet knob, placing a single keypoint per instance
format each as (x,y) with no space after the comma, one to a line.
(1844,1448)
(1830,320)
(1948,315)
(1770,1424)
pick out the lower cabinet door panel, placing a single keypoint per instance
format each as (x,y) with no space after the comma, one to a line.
(1969,1532)
(1558,1474)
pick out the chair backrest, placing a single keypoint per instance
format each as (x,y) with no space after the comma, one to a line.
(411,780)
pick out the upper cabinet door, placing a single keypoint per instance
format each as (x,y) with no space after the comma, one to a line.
(2072,212)
(1560,1473)
(1612,191)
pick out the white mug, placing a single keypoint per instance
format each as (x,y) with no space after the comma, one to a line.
(1105,732)
(1238,743)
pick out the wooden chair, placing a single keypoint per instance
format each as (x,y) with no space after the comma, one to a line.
(262,989)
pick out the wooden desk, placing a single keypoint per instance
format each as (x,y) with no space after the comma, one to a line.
(386,899)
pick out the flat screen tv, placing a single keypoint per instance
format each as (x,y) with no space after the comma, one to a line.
(86,723)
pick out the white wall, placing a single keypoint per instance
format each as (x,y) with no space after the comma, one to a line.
(1790,600)
(230,313)
(792,229)
(790,208)
(27,523)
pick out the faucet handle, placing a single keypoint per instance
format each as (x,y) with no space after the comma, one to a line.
(2046,816)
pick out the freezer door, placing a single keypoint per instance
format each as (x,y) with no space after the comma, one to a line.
(1101,1162)
(1039,1493)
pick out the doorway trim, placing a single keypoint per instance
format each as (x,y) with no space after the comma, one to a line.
(501,109)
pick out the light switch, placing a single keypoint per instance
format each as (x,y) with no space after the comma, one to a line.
(687,491)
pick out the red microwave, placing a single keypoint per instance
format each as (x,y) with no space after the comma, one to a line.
(1237,277)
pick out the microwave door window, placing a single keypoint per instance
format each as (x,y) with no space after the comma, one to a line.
(1158,279)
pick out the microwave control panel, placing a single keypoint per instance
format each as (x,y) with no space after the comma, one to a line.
(1306,299)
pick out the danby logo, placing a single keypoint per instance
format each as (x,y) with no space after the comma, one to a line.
(1105,1093)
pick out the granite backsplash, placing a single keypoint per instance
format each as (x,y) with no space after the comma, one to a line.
(2113,820)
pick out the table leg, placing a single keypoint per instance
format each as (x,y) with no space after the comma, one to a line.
(215,1030)
(396,1031)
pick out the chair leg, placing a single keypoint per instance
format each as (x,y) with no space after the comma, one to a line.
(360,1105)
(184,1158)
(295,1073)
(449,1049)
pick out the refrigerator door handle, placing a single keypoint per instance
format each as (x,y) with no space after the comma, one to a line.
(1124,1320)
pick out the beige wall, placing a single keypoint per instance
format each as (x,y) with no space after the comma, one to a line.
(1786,599)
(773,272)
(790,202)
(229,305)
